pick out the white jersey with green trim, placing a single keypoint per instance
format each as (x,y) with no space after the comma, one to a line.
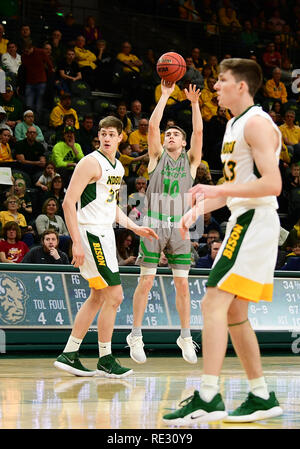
(237,159)
(98,201)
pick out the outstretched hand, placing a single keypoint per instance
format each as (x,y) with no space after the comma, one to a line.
(192,93)
(148,233)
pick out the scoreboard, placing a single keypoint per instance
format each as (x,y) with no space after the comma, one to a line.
(50,299)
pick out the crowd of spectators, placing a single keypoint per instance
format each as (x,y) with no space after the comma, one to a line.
(50,110)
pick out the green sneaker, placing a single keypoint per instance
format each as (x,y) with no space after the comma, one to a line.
(69,361)
(196,410)
(256,409)
(108,366)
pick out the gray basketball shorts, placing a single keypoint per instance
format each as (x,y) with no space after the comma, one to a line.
(177,251)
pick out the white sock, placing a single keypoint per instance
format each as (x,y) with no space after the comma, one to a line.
(73,344)
(185,333)
(209,387)
(259,387)
(104,348)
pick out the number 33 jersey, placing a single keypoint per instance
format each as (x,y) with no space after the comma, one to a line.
(237,159)
(98,201)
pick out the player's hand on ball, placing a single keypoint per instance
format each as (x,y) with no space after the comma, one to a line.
(167,87)
(148,233)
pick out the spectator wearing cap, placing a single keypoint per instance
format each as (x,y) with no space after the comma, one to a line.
(11,60)
(3,120)
(63,108)
(30,153)
(36,64)
(86,134)
(22,127)
(70,30)
(66,154)
(68,120)
(12,106)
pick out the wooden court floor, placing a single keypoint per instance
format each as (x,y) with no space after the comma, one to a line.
(35,395)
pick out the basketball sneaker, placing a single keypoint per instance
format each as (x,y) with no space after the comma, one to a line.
(136,346)
(188,347)
(194,410)
(69,361)
(256,409)
(108,366)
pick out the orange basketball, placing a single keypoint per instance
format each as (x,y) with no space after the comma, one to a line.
(171,67)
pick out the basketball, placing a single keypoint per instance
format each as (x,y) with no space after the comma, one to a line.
(171,67)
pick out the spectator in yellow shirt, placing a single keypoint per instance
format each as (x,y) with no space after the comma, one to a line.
(274,88)
(86,61)
(5,151)
(63,108)
(3,41)
(11,213)
(126,159)
(138,139)
(228,16)
(291,135)
(130,61)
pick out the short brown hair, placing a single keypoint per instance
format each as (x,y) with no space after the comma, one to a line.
(244,70)
(179,129)
(49,231)
(111,122)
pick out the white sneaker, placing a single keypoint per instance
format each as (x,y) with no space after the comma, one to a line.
(136,346)
(188,347)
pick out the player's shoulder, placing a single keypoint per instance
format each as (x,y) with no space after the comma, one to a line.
(259,118)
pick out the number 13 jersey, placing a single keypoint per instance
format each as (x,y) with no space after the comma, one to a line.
(237,159)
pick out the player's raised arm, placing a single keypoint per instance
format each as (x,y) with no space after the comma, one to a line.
(85,172)
(154,139)
(195,152)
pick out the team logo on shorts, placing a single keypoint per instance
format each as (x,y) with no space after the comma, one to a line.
(232,241)
(13,297)
(99,254)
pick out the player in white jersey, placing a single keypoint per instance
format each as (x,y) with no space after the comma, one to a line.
(244,268)
(94,189)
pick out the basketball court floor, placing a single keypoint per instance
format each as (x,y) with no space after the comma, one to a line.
(35,395)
